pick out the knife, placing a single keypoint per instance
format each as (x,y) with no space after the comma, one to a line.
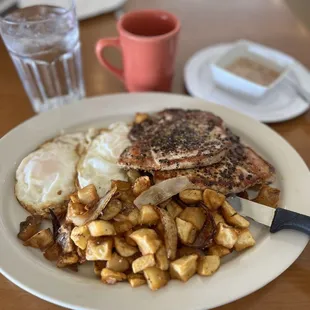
(277,219)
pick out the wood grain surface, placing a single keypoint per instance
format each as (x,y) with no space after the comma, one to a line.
(276,23)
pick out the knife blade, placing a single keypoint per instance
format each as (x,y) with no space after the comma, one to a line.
(277,219)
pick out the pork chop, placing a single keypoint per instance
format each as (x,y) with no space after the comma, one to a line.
(240,169)
(176,139)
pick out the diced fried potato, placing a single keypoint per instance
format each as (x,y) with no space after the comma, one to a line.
(191,196)
(74,198)
(184,268)
(113,208)
(141,184)
(218,250)
(147,240)
(193,215)
(185,251)
(228,210)
(101,228)
(134,217)
(29,227)
(53,252)
(140,117)
(161,259)
(67,259)
(80,236)
(160,230)
(133,175)
(207,265)
(238,221)
(155,277)
(268,196)
(212,199)
(121,185)
(112,277)
(148,216)
(123,248)
(128,239)
(136,279)
(225,236)
(41,240)
(245,240)
(98,266)
(218,218)
(99,249)
(64,238)
(74,209)
(143,262)
(126,196)
(174,209)
(132,258)
(88,194)
(121,227)
(186,231)
(117,263)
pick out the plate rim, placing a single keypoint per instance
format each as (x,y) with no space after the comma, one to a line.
(84,104)
(193,59)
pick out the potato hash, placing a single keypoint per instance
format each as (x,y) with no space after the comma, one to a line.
(142,233)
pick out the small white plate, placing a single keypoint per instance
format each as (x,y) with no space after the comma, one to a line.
(240,273)
(280,104)
(84,8)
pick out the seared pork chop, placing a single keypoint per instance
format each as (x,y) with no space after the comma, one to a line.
(176,139)
(240,169)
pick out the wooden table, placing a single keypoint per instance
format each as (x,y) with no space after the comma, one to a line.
(204,22)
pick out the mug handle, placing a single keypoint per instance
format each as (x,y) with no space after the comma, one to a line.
(100,45)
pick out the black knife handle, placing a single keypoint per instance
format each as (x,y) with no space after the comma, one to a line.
(286,219)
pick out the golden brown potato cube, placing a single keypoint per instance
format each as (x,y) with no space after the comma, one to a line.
(67,259)
(112,277)
(143,262)
(113,208)
(174,209)
(118,263)
(212,199)
(128,239)
(53,252)
(134,217)
(99,249)
(98,266)
(80,236)
(123,248)
(29,227)
(184,267)
(161,258)
(41,240)
(268,196)
(74,209)
(147,240)
(141,184)
(193,215)
(132,258)
(155,277)
(101,228)
(218,218)
(191,196)
(186,231)
(121,227)
(88,194)
(245,240)
(227,210)
(207,265)
(74,198)
(148,216)
(225,236)
(133,175)
(185,251)
(140,117)
(238,221)
(121,185)
(136,279)
(218,250)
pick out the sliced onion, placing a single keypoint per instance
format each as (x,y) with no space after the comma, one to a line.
(170,233)
(94,212)
(162,191)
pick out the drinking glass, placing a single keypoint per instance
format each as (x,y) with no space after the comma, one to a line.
(43,42)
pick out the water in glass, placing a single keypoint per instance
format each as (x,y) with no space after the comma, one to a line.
(43,42)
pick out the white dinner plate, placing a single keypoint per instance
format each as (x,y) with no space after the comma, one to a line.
(280,104)
(84,8)
(239,275)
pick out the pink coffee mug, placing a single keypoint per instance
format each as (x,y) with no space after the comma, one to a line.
(148,41)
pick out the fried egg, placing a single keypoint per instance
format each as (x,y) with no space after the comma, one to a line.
(98,165)
(46,177)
